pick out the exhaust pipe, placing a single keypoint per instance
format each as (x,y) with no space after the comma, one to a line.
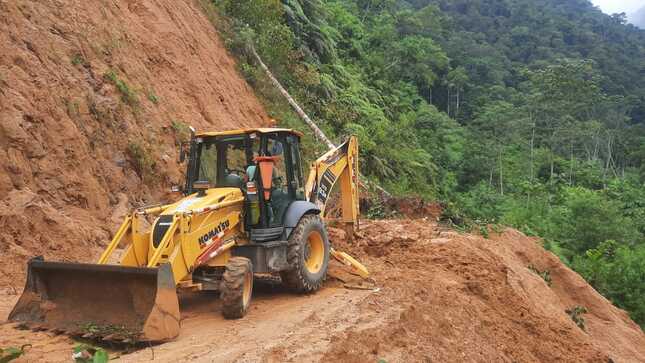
(109,302)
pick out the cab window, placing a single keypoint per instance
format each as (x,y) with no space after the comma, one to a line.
(207,159)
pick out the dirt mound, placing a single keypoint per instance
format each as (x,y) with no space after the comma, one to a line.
(93,97)
(443,296)
(453,297)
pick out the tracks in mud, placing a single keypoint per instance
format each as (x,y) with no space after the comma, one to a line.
(279,326)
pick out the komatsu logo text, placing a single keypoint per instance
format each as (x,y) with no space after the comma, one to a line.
(214,232)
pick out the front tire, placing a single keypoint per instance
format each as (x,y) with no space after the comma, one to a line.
(308,255)
(236,287)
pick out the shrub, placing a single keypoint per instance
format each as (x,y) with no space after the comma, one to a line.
(576,313)
(617,271)
(143,161)
(128,95)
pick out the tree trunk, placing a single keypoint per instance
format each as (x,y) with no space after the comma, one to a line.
(490,176)
(571,165)
(532,151)
(501,173)
(317,131)
(457,109)
(448,101)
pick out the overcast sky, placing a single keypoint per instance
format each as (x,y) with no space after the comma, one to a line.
(618,6)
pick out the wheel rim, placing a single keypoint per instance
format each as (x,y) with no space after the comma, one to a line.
(314,252)
(248,287)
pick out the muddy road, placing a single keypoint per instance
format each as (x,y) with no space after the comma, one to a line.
(279,326)
(442,296)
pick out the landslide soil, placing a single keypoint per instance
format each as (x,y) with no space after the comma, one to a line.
(86,84)
(94,95)
(440,296)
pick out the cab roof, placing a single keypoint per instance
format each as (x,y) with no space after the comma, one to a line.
(260,130)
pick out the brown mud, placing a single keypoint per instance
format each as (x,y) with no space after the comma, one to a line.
(441,296)
(94,96)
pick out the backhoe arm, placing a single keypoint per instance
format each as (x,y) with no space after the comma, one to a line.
(339,164)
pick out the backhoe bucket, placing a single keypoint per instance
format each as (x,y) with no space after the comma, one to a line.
(100,301)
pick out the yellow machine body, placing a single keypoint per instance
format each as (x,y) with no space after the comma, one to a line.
(133,296)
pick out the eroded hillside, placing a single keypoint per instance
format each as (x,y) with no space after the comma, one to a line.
(93,97)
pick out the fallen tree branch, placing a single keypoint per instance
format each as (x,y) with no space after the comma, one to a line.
(318,133)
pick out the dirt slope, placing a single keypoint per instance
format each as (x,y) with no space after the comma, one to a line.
(467,298)
(442,297)
(93,96)
(89,93)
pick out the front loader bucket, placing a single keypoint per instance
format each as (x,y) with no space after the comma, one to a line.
(100,301)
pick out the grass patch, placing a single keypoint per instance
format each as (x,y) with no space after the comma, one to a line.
(545,275)
(84,353)
(181,130)
(12,353)
(483,230)
(128,95)
(78,59)
(152,97)
(576,315)
(142,160)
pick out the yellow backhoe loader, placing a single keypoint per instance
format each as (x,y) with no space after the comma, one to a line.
(246,210)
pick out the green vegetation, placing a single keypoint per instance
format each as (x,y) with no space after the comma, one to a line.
(84,353)
(545,275)
(128,95)
(143,161)
(12,353)
(529,113)
(576,313)
(181,130)
(152,97)
(617,271)
(78,59)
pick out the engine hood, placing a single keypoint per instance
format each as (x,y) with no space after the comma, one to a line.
(211,198)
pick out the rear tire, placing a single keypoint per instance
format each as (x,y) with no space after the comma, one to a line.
(236,287)
(307,254)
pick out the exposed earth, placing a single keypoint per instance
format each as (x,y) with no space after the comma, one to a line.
(438,296)
(95,96)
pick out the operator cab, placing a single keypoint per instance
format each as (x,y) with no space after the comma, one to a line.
(264,163)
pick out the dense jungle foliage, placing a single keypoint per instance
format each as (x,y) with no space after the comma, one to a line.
(529,113)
